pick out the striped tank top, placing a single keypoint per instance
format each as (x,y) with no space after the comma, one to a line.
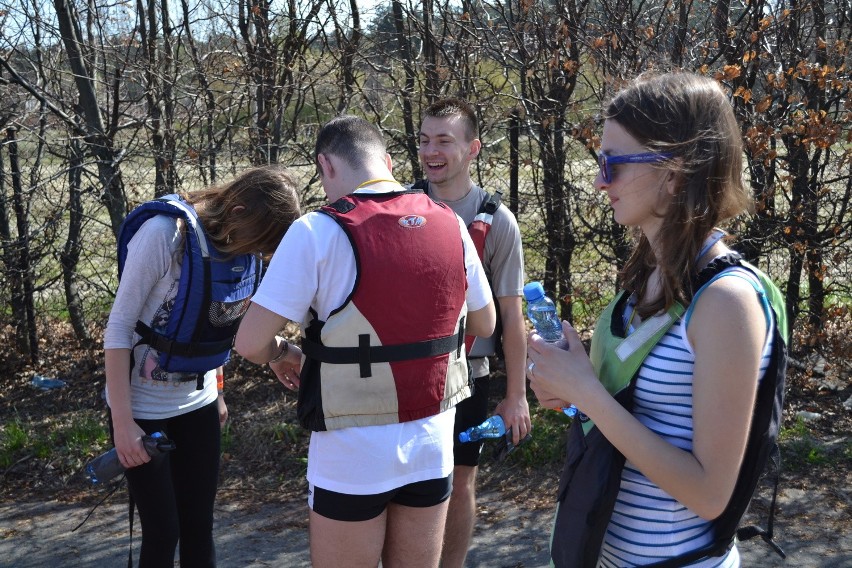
(647,524)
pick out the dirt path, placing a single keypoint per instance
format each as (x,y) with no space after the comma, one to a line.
(510,535)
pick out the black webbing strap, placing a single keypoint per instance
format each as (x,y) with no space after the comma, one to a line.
(132,505)
(365,354)
(768,535)
(171,347)
(491,202)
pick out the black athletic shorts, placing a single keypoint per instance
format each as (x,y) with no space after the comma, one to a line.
(345,507)
(471,412)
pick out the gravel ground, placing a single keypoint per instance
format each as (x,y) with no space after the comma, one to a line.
(509,534)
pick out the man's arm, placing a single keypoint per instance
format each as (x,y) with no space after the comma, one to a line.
(514,408)
(257,341)
(481,322)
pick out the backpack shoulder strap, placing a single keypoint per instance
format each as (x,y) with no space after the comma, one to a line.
(762,453)
(169,205)
(491,202)
(743,274)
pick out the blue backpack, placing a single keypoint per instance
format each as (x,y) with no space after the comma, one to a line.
(213,294)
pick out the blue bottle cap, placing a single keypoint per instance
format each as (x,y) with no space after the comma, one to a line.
(533,291)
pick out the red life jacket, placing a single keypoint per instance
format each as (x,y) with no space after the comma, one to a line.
(392,352)
(479,229)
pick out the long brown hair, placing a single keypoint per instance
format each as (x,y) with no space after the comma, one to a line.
(690,117)
(250,214)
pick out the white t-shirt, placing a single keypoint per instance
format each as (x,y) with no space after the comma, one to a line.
(314,267)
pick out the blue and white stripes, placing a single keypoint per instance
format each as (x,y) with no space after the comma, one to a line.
(647,524)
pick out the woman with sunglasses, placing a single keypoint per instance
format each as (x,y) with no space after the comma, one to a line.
(671,166)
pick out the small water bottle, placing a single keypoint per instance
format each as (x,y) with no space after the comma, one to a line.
(493,427)
(107,465)
(45,383)
(542,313)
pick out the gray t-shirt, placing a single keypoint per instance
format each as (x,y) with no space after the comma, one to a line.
(503,257)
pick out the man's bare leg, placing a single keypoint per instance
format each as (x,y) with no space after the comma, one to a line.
(413,536)
(461,517)
(344,543)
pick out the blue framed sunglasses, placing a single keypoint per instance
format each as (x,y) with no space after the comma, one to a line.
(605,163)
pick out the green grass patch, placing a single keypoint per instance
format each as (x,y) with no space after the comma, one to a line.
(287,432)
(13,441)
(67,445)
(547,445)
(226,438)
(801,450)
(86,433)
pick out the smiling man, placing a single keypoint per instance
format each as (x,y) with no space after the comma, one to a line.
(381,373)
(449,142)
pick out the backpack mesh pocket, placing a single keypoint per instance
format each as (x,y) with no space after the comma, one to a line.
(223,314)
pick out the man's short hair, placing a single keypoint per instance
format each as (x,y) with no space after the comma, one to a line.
(352,139)
(453,106)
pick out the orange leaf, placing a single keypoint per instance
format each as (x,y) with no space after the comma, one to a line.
(732,71)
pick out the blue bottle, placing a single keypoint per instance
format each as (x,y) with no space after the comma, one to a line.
(107,465)
(44,383)
(493,427)
(542,313)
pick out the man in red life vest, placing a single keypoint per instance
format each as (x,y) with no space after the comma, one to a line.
(385,295)
(449,142)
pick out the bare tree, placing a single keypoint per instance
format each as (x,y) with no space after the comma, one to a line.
(69,259)
(21,265)
(273,60)
(347,43)
(99,139)
(401,37)
(160,78)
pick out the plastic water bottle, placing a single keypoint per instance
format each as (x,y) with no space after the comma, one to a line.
(493,427)
(45,383)
(107,465)
(542,313)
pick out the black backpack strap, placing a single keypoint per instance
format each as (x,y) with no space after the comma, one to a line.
(588,487)
(491,202)
(768,535)
(131,506)
(171,347)
(365,354)
(760,457)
